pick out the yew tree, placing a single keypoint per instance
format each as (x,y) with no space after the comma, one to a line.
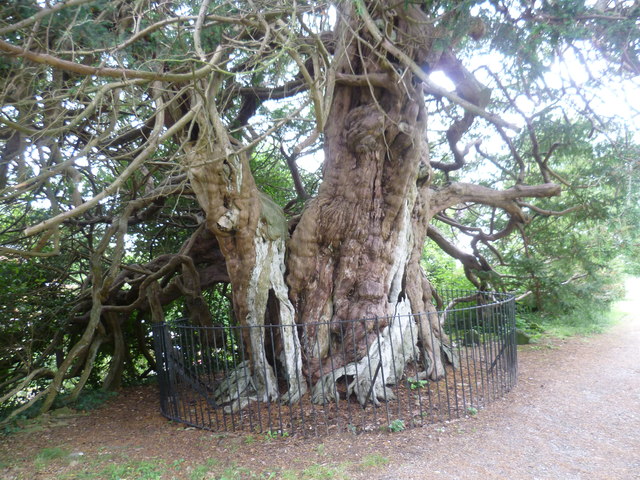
(151,151)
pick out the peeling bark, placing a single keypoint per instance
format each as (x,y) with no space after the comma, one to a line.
(251,231)
(355,252)
(370,375)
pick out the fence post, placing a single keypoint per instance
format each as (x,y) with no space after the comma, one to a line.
(166,374)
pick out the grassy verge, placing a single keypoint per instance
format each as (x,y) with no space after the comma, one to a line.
(62,463)
(583,320)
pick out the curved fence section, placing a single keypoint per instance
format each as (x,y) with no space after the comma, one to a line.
(199,368)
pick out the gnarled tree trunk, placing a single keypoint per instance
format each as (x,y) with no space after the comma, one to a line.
(252,232)
(355,252)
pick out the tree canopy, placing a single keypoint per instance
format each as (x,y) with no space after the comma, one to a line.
(289,162)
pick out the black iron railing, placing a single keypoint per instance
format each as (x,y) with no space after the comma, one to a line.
(205,373)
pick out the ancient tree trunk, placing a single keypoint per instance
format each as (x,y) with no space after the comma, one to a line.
(251,231)
(354,254)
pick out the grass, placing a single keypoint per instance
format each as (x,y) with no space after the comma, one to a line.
(48,455)
(583,320)
(374,461)
(140,469)
(249,439)
(113,463)
(106,465)
(116,469)
(92,467)
(332,471)
(116,466)
(546,346)
(580,323)
(31,420)
(315,472)
(199,472)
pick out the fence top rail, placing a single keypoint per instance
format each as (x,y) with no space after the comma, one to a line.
(496,299)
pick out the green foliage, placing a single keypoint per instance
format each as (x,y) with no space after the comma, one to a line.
(526,322)
(397,425)
(573,309)
(90,399)
(583,318)
(273,435)
(418,384)
(272,176)
(570,263)
(34,299)
(443,271)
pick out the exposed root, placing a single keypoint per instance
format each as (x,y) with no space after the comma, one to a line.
(237,389)
(383,365)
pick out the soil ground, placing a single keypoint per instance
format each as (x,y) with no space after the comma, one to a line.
(575,414)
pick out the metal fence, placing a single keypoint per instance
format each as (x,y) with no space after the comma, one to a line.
(196,363)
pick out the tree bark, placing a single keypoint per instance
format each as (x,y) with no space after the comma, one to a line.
(252,232)
(355,253)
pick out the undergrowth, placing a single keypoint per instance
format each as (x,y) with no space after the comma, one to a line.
(582,318)
(574,309)
(576,323)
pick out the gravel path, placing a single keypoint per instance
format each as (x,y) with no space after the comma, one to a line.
(578,418)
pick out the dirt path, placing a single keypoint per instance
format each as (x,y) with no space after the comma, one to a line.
(575,414)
